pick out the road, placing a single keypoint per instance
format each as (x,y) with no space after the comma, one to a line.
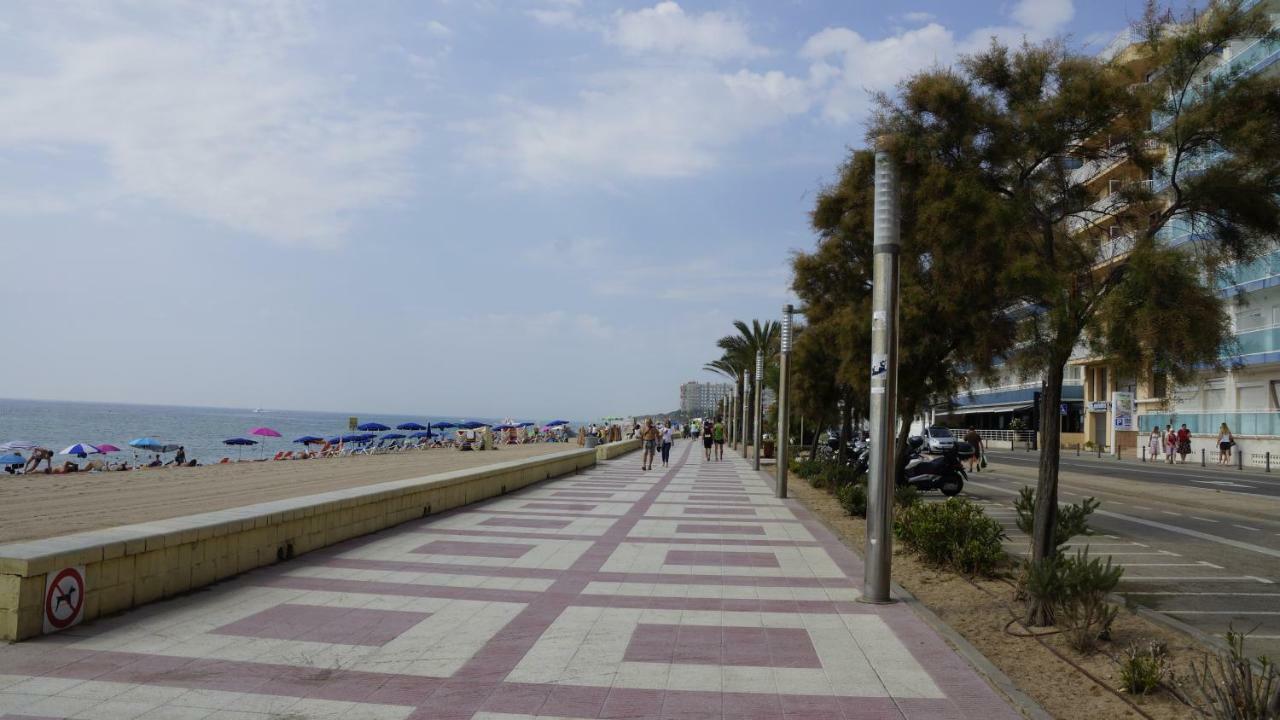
(1201,545)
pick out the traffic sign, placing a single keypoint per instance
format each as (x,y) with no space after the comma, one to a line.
(64,598)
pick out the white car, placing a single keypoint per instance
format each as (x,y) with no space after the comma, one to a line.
(939,439)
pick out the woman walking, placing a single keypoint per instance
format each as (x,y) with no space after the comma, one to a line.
(1170,443)
(666,443)
(1154,442)
(1184,442)
(1225,443)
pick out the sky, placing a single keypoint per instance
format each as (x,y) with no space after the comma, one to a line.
(524,208)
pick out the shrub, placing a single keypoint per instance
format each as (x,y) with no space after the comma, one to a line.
(1088,445)
(806,468)
(853,498)
(1227,685)
(1072,520)
(904,496)
(1083,606)
(954,534)
(839,475)
(1144,669)
(1041,584)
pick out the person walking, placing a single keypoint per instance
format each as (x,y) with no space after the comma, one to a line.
(1155,442)
(1225,442)
(666,443)
(975,441)
(649,436)
(1184,443)
(717,434)
(707,440)
(1170,443)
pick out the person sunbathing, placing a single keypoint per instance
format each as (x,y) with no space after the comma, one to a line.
(66,468)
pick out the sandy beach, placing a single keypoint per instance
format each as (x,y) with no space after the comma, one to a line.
(38,506)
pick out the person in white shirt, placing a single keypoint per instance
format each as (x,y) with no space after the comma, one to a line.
(666,443)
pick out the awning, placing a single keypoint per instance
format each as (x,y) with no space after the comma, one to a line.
(975,409)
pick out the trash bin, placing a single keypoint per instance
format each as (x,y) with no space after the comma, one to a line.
(592,441)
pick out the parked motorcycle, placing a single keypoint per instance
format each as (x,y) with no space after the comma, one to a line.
(942,472)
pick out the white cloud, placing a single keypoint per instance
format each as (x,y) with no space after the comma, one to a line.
(205,109)
(1043,16)
(667,28)
(653,122)
(918,17)
(439,29)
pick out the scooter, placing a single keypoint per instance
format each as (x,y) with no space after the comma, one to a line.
(944,472)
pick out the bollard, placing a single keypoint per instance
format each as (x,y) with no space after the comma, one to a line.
(1239,459)
(1268,461)
(1099,446)
(1077,449)
(1202,457)
(1144,453)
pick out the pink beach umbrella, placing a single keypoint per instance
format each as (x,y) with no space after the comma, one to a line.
(107,448)
(263,432)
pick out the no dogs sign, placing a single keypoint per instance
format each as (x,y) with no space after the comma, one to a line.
(64,599)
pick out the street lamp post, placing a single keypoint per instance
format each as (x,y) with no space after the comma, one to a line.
(884,379)
(759,406)
(746,407)
(784,420)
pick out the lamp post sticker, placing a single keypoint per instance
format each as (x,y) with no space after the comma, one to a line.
(64,599)
(879,365)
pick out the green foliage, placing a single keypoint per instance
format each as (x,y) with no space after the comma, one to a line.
(1041,585)
(1227,686)
(806,468)
(853,498)
(1088,445)
(1083,609)
(955,534)
(905,496)
(1143,669)
(1072,520)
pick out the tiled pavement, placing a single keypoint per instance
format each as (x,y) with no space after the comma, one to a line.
(690,593)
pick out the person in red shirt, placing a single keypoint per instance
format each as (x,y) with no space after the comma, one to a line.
(1184,442)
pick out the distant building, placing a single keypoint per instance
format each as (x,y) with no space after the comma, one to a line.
(697,399)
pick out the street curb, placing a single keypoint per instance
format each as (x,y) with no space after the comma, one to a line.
(994,676)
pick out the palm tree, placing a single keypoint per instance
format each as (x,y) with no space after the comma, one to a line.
(739,358)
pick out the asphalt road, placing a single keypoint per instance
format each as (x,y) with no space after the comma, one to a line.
(1200,545)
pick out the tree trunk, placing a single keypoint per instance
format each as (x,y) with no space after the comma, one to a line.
(1046,510)
(813,449)
(846,430)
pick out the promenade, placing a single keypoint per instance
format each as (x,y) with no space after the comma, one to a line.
(688,593)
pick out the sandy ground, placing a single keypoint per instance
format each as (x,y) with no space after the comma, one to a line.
(39,506)
(1061,690)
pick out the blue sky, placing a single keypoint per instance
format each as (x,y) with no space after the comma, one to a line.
(489,207)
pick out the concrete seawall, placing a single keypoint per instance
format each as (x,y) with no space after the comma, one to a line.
(118,568)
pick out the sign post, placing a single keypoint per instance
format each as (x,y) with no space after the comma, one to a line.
(1122,407)
(884,379)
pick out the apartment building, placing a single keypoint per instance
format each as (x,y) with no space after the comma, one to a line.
(698,398)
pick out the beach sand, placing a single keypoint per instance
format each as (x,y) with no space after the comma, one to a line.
(41,506)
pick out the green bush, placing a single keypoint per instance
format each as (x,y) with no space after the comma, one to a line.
(1083,606)
(904,496)
(853,498)
(1228,686)
(839,475)
(955,534)
(1072,520)
(1144,669)
(806,468)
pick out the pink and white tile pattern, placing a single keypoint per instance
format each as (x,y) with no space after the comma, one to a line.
(691,593)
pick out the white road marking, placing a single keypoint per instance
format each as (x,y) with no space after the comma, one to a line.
(1142,507)
(1228,594)
(1165,526)
(1190,564)
(1169,512)
(1209,578)
(1245,527)
(1194,517)
(1219,612)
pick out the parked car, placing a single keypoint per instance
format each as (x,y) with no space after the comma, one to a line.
(939,439)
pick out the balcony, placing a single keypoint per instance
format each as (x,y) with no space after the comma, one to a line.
(1258,341)
(1207,423)
(1189,166)
(1243,276)
(1253,58)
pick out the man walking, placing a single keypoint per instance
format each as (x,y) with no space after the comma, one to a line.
(649,435)
(975,440)
(717,433)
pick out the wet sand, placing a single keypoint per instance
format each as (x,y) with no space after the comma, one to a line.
(40,506)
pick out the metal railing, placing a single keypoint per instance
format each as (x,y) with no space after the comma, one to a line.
(1016,436)
(1262,423)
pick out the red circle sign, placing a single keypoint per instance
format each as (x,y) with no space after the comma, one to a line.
(64,599)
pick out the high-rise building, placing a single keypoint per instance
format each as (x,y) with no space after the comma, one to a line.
(698,398)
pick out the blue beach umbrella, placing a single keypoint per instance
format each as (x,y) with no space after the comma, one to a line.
(372,426)
(393,436)
(354,438)
(239,442)
(525,424)
(80,450)
(335,439)
(411,426)
(12,459)
(309,439)
(444,425)
(421,434)
(471,425)
(557,423)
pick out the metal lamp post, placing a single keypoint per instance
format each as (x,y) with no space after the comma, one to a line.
(758,401)
(746,407)
(784,420)
(884,379)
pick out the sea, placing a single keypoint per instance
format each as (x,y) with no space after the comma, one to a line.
(201,430)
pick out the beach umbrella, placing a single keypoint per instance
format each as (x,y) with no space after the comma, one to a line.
(12,459)
(411,426)
(525,424)
(504,426)
(81,450)
(354,438)
(444,425)
(372,426)
(312,440)
(239,442)
(264,432)
(393,436)
(107,448)
(18,446)
(471,425)
(557,423)
(145,443)
(421,434)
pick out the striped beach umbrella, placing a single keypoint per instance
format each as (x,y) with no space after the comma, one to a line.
(81,450)
(17,446)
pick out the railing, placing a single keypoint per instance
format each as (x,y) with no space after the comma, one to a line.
(1207,423)
(1258,340)
(1267,266)
(1016,436)
(1253,58)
